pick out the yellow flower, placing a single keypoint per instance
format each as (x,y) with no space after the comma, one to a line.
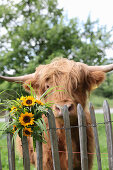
(39,102)
(26,119)
(14,128)
(20,106)
(22,98)
(13,109)
(28,101)
(27,131)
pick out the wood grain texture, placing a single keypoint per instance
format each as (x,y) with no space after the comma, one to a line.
(82,137)
(109,134)
(54,142)
(93,119)
(68,136)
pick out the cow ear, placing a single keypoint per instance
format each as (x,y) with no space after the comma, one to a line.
(31,82)
(94,79)
(34,82)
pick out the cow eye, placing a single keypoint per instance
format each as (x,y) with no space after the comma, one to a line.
(47,86)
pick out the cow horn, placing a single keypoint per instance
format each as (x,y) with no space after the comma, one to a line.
(18,79)
(105,68)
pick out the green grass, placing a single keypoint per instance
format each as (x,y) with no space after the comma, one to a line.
(4,155)
(102,141)
(97,101)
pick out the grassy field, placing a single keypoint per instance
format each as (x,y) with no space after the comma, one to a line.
(4,155)
(102,141)
(97,101)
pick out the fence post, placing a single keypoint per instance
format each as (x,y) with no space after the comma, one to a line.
(82,137)
(39,155)
(0,162)
(10,146)
(26,160)
(93,119)
(108,125)
(68,136)
(54,143)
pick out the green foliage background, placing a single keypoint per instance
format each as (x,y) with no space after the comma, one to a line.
(36,31)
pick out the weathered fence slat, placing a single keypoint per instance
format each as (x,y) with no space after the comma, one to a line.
(92,113)
(68,136)
(11,150)
(108,125)
(26,160)
(54,143)
(0,162)
(82,137)
(39,155)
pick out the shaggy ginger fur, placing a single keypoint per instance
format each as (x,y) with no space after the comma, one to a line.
(76,82)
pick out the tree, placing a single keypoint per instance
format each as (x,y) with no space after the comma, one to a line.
(36,31)
(26,23)
(95,39)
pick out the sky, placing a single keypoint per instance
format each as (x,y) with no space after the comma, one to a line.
(98,9)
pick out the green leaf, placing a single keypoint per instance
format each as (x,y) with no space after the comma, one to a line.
(40,124)
(49,90)
(15,134)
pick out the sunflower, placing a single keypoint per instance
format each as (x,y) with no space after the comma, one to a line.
(14,128)
(13,109)
(28,101)
(26,119)
(21,101)
(27,131)
(20,106)
(39,102)
(22,98)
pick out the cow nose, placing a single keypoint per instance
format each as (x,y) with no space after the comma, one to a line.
(58,108)
(70,107)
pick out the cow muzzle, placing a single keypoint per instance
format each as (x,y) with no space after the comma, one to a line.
(58,109)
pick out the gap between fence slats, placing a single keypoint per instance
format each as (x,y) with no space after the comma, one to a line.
(54,141)
(93,119)
(68,136)
(107,117)
(82,137)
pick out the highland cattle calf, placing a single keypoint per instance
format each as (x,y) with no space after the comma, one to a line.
(76,81)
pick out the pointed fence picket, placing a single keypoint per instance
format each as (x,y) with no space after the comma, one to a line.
(26,160)
(10,147)
(54,142)
(93,119)
(109,134)
(68,137)
(39,155)
(82,137)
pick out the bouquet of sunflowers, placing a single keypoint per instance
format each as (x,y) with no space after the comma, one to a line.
(25,114)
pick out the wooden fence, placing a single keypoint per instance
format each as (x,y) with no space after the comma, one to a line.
(54,143)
